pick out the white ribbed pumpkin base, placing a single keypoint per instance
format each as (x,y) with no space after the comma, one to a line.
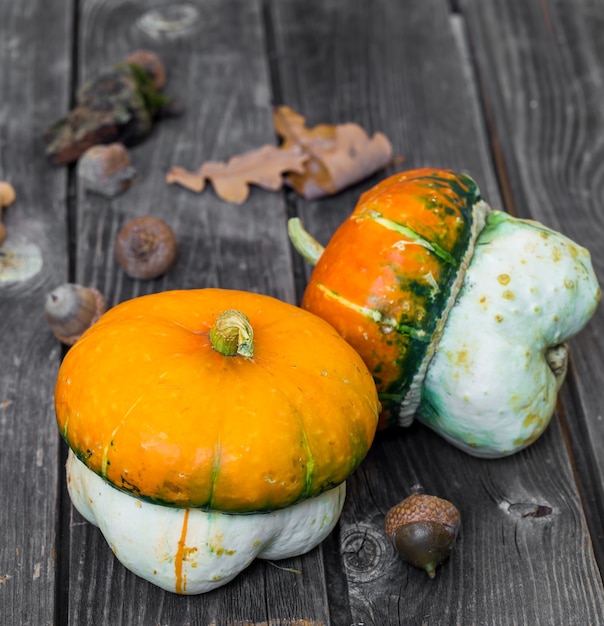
(189,551)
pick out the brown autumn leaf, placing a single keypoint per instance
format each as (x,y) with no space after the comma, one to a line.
(264,167)
(338,156)
(316,162)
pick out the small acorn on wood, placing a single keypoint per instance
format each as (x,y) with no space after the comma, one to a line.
(71,309)
(145,247)
(7,197)
(106,170)
(423,529)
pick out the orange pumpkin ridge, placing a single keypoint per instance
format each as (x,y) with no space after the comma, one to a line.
(391,273)
(146,402)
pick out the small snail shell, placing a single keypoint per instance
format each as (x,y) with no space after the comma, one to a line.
(145,247)
(71,309)
(423,529)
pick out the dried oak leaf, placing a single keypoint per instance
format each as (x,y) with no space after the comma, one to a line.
(264,167)
(338,156)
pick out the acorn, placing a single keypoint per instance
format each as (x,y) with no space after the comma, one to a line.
(106,170)
(423,529)
(7,197)
(145,247)
(71,309)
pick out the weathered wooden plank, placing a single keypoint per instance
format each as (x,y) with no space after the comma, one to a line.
(403,68)
(217,68)
(34,80)
(542,66)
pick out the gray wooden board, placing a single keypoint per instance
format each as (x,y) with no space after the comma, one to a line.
(546,99)
(33,82)
(217,69)
(405,69)
(398,68)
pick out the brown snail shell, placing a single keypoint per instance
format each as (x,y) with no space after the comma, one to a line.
(71,309)
(423,529)
(145,247)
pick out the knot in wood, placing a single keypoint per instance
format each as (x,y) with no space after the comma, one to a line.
(362,550)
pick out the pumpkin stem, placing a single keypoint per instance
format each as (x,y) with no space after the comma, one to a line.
(304,243)
(232,334)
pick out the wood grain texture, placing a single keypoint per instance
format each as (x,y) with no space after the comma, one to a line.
(34,82)
(405,70)
(542,67)
(509,91)
(217,69)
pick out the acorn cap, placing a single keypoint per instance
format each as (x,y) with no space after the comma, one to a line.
(71,309)
(420,507)
(146,247)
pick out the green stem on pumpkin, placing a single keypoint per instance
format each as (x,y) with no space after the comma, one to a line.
(304,243)
(232,334)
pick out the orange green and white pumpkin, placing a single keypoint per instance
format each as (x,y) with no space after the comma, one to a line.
(210,427)
(461,313)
